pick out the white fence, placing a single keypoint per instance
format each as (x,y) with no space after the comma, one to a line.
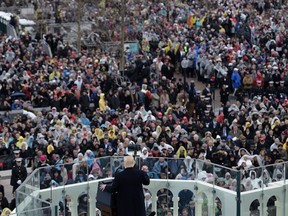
(201,190)
(205,194)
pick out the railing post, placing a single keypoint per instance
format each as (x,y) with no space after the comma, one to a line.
(238,195)
(92,198)
(154,202)
(211,206)
(281,205)
(198,206)
(73,207)
(92,207)
(175,204)
(279,208)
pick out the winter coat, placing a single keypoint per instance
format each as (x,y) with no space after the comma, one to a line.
(102,102)
(248,82)
(130,196)
(236,80)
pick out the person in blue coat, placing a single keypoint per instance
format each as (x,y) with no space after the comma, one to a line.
(236,80)
(129,187)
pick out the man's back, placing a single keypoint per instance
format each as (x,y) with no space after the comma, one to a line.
(130,197)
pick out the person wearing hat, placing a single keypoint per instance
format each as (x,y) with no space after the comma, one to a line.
(258,88)
(19,174)
(270,90)
(282,90)
(206,118)
(207,92)
(17,154)
(224,94)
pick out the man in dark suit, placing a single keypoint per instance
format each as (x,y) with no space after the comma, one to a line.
(19,174)
(128,185)
(210,149)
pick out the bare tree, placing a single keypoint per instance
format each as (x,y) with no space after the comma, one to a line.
(81,9)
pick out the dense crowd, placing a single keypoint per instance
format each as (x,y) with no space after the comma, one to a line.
(238,47)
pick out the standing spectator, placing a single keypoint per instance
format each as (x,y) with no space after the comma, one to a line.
(19,174)
(236,80)
(224,94)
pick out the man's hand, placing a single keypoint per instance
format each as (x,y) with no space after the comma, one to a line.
(145,168)
(102,186)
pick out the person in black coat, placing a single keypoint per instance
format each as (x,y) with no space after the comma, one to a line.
(3,201)
(19,174)
(84,101)
(224,95)
(2,190)
(128,185)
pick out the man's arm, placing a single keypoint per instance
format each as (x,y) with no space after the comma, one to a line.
(111,188)
(145,177)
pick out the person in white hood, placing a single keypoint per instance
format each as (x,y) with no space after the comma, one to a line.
(278,174)
(79,82)
(254,180)
(228,179)
(266,178)
(144,153)
(244,162)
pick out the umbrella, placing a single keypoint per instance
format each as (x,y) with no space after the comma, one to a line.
(18,95)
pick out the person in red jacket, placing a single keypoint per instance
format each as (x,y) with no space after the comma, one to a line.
(258,78)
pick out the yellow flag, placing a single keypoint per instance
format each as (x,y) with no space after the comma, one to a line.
(203,18)
(169,46)
(176,48)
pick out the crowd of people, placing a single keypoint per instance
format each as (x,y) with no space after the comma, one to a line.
(238,47)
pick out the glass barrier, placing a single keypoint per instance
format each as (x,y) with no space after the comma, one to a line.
(210,178)
(30,205)
(262,177)
(191,169)
(266,177)
(31,185)
(43,211)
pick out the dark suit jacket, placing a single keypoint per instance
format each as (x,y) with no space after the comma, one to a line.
(130,195)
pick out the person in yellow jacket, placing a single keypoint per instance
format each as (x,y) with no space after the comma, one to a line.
(99,134)
(111,133)
(181,152)
(50,148)
(285,145)
(102,102)
(55,74)
(21,139)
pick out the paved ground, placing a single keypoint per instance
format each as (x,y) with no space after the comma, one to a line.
(200,86)
(5,181)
